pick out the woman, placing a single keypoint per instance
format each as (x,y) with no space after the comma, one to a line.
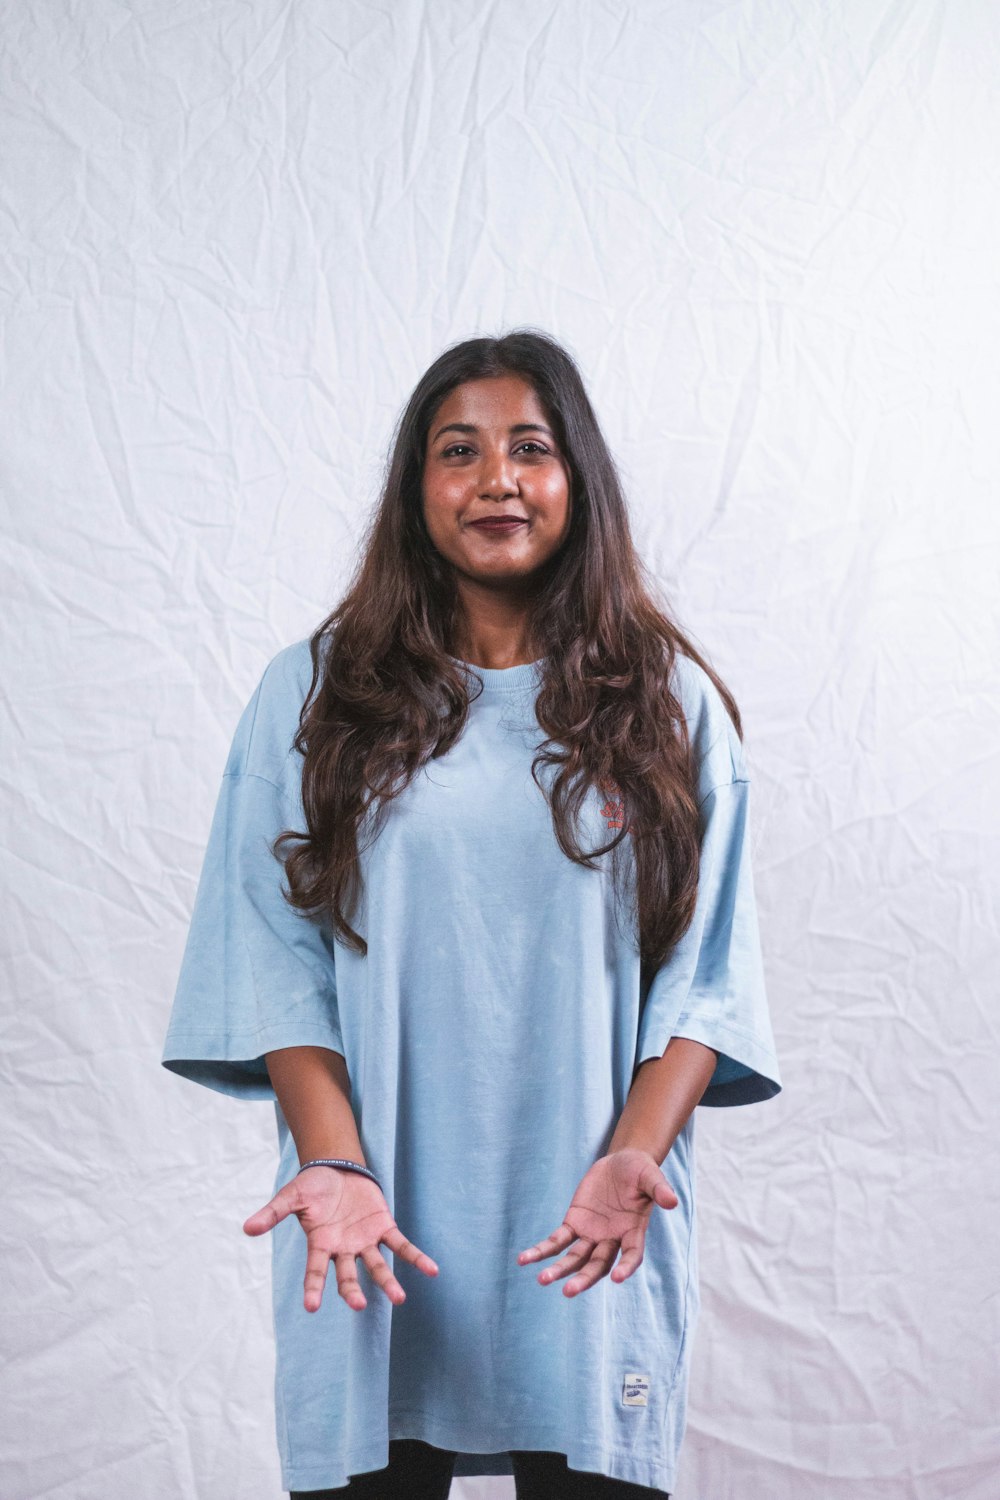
(519,944)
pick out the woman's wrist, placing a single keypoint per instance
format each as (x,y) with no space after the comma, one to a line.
(326,1154)
(343,1164)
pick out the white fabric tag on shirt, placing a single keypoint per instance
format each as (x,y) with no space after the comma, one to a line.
(635,1390)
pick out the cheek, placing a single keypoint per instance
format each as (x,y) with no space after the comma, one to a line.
(447,483)
(440,498)
(555,494)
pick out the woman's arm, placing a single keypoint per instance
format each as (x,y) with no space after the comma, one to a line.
(314,1092)
(664,1092)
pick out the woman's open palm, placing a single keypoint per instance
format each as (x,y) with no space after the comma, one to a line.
(344,1215)
(609,1212)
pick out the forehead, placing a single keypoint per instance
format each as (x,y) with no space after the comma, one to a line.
(496,400)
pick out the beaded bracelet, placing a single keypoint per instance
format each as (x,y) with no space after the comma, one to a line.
(340,1161)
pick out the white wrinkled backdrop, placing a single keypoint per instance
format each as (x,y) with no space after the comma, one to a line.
(232,238)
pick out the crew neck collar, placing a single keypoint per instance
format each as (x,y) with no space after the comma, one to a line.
(505,679)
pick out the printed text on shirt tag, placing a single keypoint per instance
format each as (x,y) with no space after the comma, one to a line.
(635,1390)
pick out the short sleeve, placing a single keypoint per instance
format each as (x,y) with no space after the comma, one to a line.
(711,987)
(256,974)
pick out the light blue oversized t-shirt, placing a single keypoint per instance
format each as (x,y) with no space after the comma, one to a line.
(491,1036)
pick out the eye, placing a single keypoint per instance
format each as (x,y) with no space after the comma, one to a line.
(453,449)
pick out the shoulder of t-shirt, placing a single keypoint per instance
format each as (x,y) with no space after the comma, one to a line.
(718,749)
(264,736)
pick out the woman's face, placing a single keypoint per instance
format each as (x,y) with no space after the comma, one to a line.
(491,453)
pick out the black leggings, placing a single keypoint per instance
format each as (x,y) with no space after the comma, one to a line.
(418,1471)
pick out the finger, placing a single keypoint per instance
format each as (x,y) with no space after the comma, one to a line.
(400,1245)
(379,1272)
(599,1265)
(348,1284)
(558,1240)
(317,1265)
(570,1262)
(631,1260)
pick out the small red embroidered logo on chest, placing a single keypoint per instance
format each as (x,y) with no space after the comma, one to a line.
(613,810)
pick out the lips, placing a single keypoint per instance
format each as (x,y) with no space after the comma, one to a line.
(499,523)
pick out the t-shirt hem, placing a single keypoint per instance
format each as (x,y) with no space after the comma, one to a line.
(411,1422)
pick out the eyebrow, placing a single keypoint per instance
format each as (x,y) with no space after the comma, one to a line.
(471,427)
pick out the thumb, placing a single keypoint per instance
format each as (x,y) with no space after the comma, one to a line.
(272,1213)
(665,1195)
(658,1188)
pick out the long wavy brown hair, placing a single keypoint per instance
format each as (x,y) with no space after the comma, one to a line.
(387,696)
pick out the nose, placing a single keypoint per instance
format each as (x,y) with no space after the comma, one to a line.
(498,477)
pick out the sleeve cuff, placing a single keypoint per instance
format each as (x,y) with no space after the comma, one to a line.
(234,1064)
(746,1071)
